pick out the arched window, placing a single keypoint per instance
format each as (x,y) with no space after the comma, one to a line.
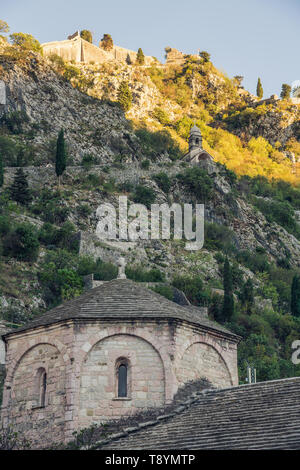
(43,388)
(122,380)
(197,141)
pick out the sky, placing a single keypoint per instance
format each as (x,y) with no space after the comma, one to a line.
(253,38)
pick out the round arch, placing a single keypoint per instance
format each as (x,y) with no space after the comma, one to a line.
(202,358)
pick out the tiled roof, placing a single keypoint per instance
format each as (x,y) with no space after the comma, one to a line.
(265,415)
(124,299)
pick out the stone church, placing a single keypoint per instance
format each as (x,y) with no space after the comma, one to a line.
(116,350)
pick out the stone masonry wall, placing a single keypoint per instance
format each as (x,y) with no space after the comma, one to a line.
(98,392)
(25,394)
(79,50)
(205,355)
(47,348)
(80,357)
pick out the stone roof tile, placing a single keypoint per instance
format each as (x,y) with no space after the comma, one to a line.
(123,299)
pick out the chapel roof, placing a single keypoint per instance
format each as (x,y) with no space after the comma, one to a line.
(123,299)
(195,130)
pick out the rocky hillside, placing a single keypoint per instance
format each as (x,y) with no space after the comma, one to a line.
(49,243)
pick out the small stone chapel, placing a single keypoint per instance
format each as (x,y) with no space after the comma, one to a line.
(117,349)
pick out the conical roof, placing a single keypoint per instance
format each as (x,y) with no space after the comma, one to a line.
(195,130)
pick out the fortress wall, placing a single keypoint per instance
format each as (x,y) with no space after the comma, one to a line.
(67,50)
(92,53)
(79,50)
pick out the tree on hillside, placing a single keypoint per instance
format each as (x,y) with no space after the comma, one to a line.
(4,28)
(259,89)
(205,56)
(238,79)
(61,155)
(1,171)
(107,42)
(295,296)
(228,302)
(285,91)
(247,295)
(87,35)
(124,96)
(25,41)
(140,58)
(19,190)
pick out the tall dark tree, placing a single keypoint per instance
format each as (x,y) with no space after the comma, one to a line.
(228,302)
(61,155)
(295,296)
(124,96)
(87,35)
(107,42)
(1,171)
(247,295)
(19,189)
(259,89)
(140,58)
(285,91)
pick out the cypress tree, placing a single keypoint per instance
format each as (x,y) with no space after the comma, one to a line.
(228,302)
(124,96)
(295,296)
(259,89)
(61,155)
(140,58)
(19,190)
(247,295)
(1,171)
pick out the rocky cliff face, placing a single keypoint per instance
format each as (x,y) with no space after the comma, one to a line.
(99,128)
(47,103)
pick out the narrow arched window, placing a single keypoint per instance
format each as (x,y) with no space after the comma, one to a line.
(197,141)
(43,388)
(122,381)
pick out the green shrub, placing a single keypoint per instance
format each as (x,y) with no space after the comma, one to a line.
(162,116)
(58,276)
(165,291)
(88,161)
(144,195)
(193,289)
(156,143)
(145,164)
(22,243)
(198,182)
(163,181)
(218,237)
(139,274)
(84,210)
(254,261)
(14,121)
(105,271)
